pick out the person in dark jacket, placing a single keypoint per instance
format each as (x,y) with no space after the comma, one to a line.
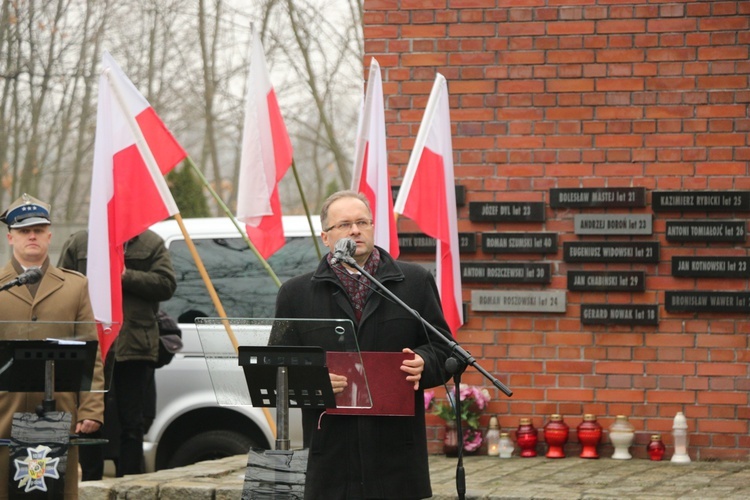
(148,279)
(358,457)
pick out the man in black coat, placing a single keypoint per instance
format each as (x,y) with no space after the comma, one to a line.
(358,457)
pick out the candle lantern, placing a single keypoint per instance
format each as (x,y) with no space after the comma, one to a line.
(589,435)
(527,438)
(621,433)
(556,435)
(679,432)
(655,448)
(493,438)
(506,445)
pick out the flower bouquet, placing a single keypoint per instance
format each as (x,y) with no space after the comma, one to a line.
(473,402)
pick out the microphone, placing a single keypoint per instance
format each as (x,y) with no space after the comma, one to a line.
(343,250)
(29,277)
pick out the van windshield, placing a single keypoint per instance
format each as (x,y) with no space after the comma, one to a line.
(241,282)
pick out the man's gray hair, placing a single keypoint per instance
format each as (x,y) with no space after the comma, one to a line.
(337,196)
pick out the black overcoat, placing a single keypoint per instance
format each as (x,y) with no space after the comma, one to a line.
(364,456)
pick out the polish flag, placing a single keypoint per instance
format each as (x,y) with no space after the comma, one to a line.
(266,156)
(132,152)
(428,197)
(370,172)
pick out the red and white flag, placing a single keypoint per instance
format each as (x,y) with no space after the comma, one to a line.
(266,156)
(132,152)
(370,172)
(428,197)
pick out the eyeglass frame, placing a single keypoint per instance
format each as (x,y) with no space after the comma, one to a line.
(346,226)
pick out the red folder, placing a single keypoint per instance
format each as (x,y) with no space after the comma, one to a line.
(390,392)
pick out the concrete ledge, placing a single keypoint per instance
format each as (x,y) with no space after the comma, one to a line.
(487,478)
(212,480)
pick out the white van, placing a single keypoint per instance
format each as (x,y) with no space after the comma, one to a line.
(190,425)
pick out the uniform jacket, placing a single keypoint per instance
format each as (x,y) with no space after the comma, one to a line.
(149,279)
(62,296)
(389,453)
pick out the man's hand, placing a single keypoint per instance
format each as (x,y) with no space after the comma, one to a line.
(338,382)
(413,367)
(87,426)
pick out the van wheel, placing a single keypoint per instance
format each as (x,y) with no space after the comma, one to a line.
(210,445)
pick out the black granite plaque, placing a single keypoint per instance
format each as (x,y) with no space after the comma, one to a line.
(460,194)
(505,272)
(701,201)
(597,197)
(606,281)
(711,267)
(719,302)
(603,224)
(706,230)
(519,242)
(506,211)
(619,314)
(421,243)
(611,251)
(552,301)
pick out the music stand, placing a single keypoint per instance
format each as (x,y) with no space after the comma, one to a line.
(279,363)
(43,437)
(47,366)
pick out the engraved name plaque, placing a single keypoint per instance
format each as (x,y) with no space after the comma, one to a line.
(711,267)
(518,301)
(597,197)
(611,251)
(619,314)
(606,281)
(706,230)
(519,242)
(421,243)
(636,224)
(506,211)
(716,302)
(701,201)
(505,272)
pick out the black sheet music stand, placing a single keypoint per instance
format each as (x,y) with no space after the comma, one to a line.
(308,384)
(45,366)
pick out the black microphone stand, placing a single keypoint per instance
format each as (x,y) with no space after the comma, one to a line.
(455,364)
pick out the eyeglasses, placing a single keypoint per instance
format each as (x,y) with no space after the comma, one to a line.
(346,226)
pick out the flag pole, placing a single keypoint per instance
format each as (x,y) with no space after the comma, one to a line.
(307,209)
(216,301)
(153,168)
(229,214)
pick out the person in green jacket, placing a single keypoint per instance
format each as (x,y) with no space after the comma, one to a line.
(148,279)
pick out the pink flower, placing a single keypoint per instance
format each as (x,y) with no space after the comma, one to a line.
(428,397)
(472,440)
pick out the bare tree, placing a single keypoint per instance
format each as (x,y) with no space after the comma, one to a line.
(190,60)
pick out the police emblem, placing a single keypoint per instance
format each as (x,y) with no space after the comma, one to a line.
(31,471)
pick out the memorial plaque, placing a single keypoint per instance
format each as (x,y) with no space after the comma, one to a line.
(611,251)
(706,230)
(421,243)
(505,272)
(519,242)
(518,301)
(711,267)
(717,302)
(597,197)
(613,224)
(619,314)
(460,194)
(606,281)
(701,201)
(506,211)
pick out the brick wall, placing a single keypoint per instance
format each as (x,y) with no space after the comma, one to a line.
(588,93)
